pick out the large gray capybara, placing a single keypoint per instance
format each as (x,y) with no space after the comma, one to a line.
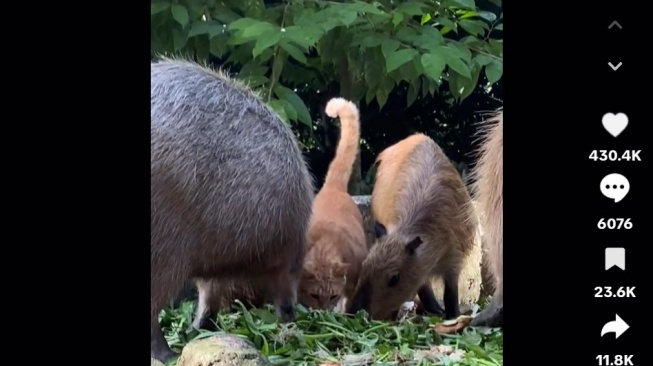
(231,193)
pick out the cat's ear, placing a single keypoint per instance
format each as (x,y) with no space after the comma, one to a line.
(413,245)
(340,269)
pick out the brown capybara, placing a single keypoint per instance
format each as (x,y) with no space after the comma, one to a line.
(425,227)
(231,194)
(337,243)
(488,192)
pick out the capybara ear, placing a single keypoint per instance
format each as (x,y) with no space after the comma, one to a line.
(413,245)
(340,269)
(379,230)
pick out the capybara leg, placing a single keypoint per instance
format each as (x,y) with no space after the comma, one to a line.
(427,298)
(451,305)
(159,348)
(208,305)
(492,316)
(285,295)
(164,285)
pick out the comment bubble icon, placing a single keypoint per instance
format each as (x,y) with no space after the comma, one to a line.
(615,186)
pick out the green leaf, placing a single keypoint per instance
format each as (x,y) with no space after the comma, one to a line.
(288,94)
(367,8)
(383,91)
(496,47)
(200,27)
(433,65)
(482,60)
(397,18)
(293,51)
(368,39)
(180,13)
(266,41)
(304,36)
(398,58)
(258,29)
(347,17)
(370,95)
(388,46)
(156,8)
(179,39)
(425,18)
(455,58)
(466,4)
(499,27)
(223,13)
(472,42)
(242,23)
(459,66)
(373,69)
(496,2)
(218,45)
(428,39)
(489,16)
(289,109)
(413,90)
(406,34)
(446,22)
(470,85)
(252,68)
(494,71)
(466,14)
(278,107)
(473,27)
(411,8)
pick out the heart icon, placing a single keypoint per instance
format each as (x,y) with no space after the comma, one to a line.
(615,124)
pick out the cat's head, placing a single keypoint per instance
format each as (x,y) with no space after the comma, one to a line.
(322,284)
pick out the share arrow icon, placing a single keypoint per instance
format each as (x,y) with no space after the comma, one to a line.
(617,326)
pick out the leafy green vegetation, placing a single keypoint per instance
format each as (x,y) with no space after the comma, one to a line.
(318,337)
(368,47)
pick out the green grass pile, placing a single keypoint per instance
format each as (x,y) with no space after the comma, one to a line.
(318,337)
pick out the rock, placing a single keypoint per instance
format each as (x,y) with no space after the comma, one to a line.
(154,362)
(221,350)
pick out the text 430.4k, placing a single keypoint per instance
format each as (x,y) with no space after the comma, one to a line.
(613,155)
(616,360)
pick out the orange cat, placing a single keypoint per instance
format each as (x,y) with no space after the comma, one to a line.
(337,244)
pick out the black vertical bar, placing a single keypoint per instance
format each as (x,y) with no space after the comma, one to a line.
(559,86)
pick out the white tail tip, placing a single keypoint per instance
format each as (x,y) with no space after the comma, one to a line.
(336,105)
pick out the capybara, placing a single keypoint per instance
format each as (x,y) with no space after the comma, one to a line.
(425,227)
(488,192)
(231,193)
(337,242)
